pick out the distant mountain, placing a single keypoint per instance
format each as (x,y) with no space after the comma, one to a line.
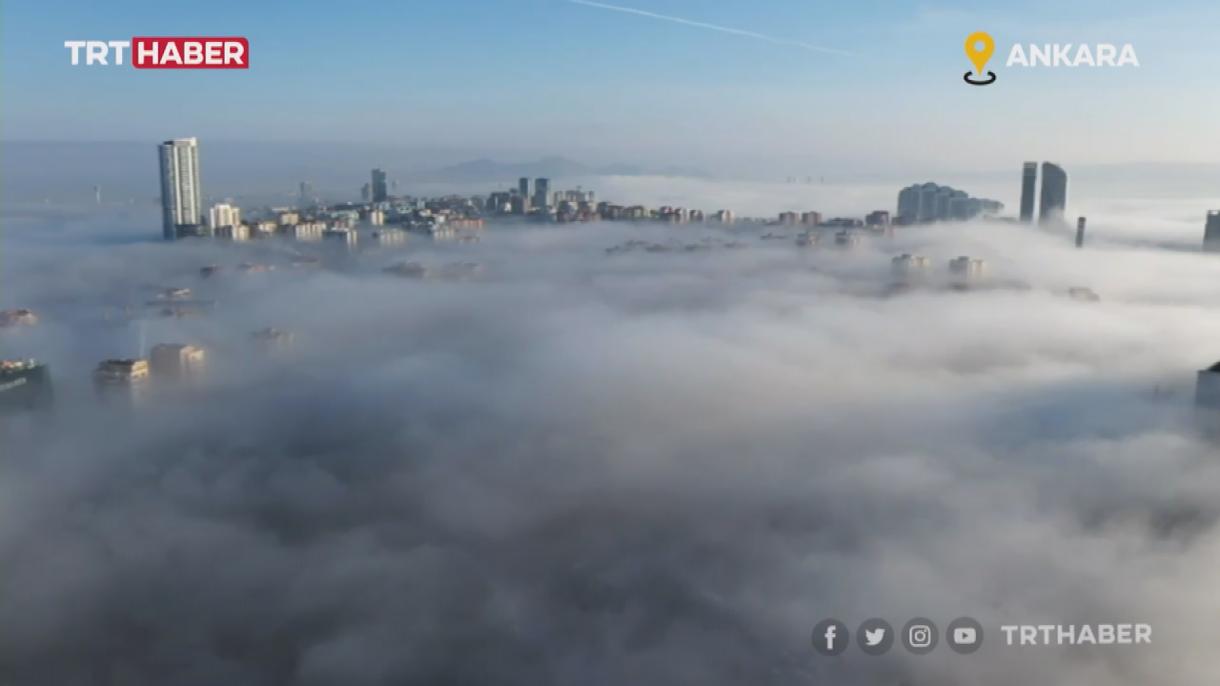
(556,167)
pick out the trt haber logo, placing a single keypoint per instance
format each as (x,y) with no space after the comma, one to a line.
(164,52)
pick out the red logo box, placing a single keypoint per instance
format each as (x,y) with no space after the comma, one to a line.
(190,52)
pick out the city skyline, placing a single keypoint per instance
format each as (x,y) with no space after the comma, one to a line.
(614,341)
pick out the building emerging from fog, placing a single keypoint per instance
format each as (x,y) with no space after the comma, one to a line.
(1207,388)
(181,208)
(909,266)
(222,214)
(175,361)
(379,189)
(122,379)
(1054,193)
(24,385)
(542,193)
(1211,232)
(966,269)
(1029,189)
(930,202)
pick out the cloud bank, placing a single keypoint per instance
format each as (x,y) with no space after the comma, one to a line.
(581,467)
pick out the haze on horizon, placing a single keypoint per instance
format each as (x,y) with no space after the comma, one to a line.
(534,78)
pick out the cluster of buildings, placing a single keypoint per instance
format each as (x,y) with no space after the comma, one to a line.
(131,377)
(386,218)
(963,269)
(930,202)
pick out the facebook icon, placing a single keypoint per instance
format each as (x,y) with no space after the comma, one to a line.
(830,637)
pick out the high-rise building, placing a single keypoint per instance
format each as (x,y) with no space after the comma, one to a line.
(1211,232)
(307,195)
(523,192)
(1054,193)
(1029,186)
(379,189)
(180,193)
(1080,224)
(927,202)
(542,192)
(223,214)
(908,205)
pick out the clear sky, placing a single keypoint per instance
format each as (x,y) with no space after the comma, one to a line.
(536,77)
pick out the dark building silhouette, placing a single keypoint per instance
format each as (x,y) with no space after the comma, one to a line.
(1029,187)
(1211,232)
(1207,388)
(523,192)
(1054,193)
(379,188)
(24,385)
(542,192)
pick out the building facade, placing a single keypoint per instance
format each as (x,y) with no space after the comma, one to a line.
(223,214)
(181,206)
(1211,232)
(379,189)
(1054,193)
(1029,186)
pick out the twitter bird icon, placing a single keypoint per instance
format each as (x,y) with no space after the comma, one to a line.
(875,636)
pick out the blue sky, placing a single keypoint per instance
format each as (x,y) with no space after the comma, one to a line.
(535,77)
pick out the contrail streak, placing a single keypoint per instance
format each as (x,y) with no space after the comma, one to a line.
(711,27)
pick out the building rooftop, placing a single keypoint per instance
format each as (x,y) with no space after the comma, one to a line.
(12,366)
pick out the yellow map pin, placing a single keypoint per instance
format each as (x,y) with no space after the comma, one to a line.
(979,46)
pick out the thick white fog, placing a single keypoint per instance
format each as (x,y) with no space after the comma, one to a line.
(634,466)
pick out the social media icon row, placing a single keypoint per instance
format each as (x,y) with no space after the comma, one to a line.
(875,636)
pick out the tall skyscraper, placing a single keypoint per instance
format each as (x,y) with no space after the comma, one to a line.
(180,194)
(1029,186)
(306,194)
(523,190)
(379,188)
(542,192)
(1054,193)
(1211,232)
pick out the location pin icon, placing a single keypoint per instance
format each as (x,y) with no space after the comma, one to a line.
(979,46)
